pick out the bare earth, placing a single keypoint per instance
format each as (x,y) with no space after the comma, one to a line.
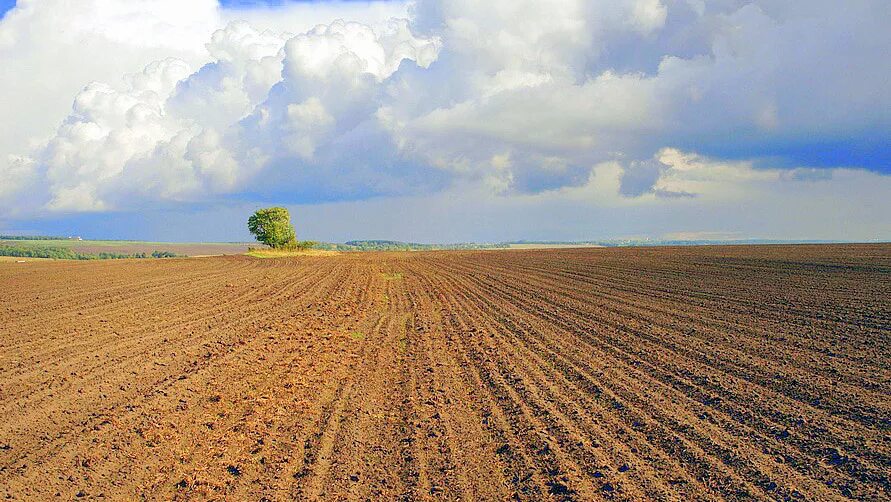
(632,374)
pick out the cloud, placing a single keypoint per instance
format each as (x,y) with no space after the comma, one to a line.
(735,200)
(679,101)
(53,51)
(736,81)
(174,134)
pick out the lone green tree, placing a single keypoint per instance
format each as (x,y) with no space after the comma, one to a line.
(272,226)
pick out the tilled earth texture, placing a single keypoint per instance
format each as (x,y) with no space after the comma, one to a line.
(702,373)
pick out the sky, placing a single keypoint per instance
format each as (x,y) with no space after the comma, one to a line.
(447,120)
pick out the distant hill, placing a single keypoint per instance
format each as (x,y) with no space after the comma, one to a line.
(74,247)
(390,245)
(387,245)
(35,238)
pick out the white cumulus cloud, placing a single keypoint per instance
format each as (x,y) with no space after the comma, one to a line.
(162,103)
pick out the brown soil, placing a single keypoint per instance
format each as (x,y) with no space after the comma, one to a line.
(631,374)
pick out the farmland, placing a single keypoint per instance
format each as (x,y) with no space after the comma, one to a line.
(735,372)
(97,247)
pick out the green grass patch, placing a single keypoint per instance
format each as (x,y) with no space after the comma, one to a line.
(392,276)
(355,335)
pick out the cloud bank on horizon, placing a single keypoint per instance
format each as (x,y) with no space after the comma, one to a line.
(639,107)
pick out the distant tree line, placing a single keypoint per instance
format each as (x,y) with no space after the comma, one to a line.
(384,245)
(31,238)
(59,253)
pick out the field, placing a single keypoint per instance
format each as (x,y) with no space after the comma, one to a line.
(738,372)
(132,247)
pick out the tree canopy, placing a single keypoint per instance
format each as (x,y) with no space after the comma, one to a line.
(272,226)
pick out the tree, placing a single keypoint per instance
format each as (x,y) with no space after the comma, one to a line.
(272,226)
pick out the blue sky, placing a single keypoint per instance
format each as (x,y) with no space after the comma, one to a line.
(247,4)
(250,3)
(448,120)
(6,5)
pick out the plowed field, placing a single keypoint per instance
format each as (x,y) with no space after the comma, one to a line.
(631,374)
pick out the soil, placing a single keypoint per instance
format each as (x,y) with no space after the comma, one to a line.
(700,373)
